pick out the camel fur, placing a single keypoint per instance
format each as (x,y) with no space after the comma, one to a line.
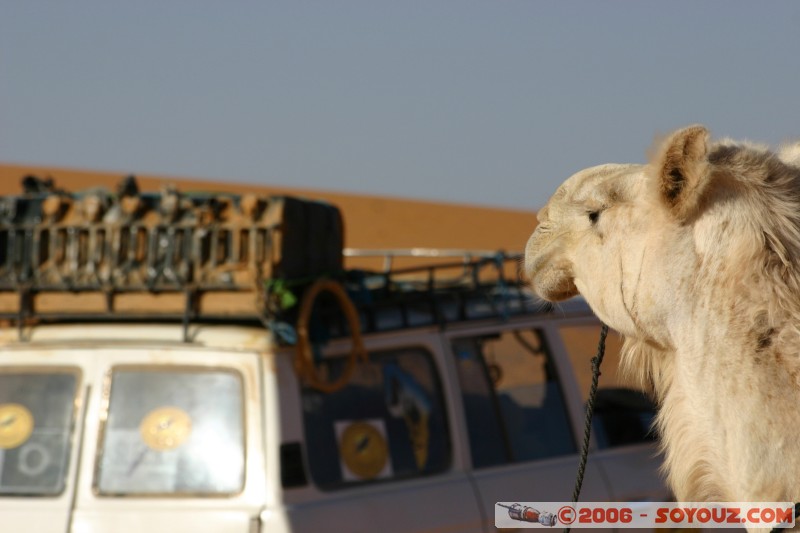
(695,259)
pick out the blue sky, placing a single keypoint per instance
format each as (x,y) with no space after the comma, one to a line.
(483,102)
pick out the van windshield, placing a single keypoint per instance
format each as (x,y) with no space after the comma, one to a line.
(36,418)
(172,431)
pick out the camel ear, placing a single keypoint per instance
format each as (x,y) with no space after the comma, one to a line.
(682,170)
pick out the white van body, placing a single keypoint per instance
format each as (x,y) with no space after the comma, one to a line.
(458,497)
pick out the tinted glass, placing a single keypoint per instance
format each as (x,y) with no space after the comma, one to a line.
(485,428)
(387,423)
(623,413)
(512,398)
(173,431)
(36,418)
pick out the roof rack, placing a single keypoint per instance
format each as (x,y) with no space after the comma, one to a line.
(388,255)
(128,253)
(461,285)
(103,256)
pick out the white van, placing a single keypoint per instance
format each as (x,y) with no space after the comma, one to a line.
(146,417)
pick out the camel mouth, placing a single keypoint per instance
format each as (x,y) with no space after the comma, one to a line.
(551,281)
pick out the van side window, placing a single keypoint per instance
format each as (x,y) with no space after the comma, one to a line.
(172,431)
(512,398)
(623,413)
(389,421)
(37,409)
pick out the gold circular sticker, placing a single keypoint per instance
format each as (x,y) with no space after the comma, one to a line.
(364,450)
(16,425)
(165,428)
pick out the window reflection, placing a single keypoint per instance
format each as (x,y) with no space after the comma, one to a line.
(388,422)
(173,431)
(36,418)
(512,398)
(623,413)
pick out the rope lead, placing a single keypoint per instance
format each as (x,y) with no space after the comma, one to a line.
(587,428)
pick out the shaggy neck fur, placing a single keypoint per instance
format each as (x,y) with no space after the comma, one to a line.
(736,337)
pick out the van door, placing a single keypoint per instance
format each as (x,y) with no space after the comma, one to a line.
(174,443)
(41,409)
(383,452)
(518,405)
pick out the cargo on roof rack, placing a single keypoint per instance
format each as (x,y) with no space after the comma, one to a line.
(165,253)
(198,257)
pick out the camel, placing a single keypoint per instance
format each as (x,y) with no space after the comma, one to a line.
(695,259)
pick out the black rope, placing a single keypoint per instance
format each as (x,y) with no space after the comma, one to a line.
(587,429)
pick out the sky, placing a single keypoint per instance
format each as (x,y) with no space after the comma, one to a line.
(482,102)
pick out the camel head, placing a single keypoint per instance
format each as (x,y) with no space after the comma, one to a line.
(639,241)
(695,259)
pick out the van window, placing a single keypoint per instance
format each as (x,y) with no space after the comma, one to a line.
(623,413)
(512,398)
(37,409)
(388,423)
(172,431)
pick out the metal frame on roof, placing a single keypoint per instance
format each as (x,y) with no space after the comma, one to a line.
(130,256)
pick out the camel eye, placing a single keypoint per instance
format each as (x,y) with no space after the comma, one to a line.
(594,216)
